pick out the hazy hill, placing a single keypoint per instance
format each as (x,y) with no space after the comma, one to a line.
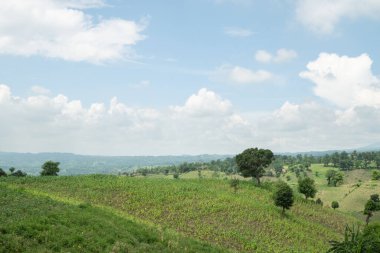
(72,164)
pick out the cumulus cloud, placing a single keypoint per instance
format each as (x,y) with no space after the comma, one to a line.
(237,32)
(240,75)
(343,80)
(204,123)
(205,103)
(282,55)
(312,126)
(322,16)
(62,29)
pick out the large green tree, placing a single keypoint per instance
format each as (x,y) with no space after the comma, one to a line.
(253,161)
(306,186)
(50,168)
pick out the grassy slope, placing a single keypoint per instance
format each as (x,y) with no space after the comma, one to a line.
(350,197)
(204,209)
(33,223)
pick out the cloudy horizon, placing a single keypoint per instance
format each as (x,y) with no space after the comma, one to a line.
(126,78)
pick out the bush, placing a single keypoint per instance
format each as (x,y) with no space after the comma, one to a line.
(283,196)
(19,173)
(2,173)
(319,202)
(355,240)
(234,183)
(375,175)
(335,205)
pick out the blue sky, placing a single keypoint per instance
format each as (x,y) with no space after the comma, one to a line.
(188,77)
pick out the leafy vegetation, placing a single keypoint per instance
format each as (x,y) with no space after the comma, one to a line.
(283,196)
(36,223)
(253,161)
(203,209)
(335,204)
(306,186)
(357,241)
(50,168)
(372,205)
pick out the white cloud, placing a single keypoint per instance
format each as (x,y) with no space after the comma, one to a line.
(61,29)
(312,126)
(285,55)
(237,32)
(205,103)
(282,55)
(243,75)
(263,56)
(240,75)
(40,90)
(205,123)
(344,81)
(322,16)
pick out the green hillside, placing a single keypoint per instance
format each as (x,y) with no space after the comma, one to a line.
(352,194)
(207,210)
(35,223)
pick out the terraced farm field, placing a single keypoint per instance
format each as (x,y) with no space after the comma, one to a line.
(204,209)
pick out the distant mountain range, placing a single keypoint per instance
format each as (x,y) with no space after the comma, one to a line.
(371,147)
(72,164)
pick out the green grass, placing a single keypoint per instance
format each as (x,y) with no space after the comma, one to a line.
(207,210)
(35,223)
(350,197)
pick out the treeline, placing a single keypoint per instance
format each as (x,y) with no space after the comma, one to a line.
(296,163)
(227,166)
(12,172)
(354,160)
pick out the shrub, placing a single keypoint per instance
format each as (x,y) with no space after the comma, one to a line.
(335,205)
(234,183)
(2,173)
(319,202)
(375,175)
(283,196)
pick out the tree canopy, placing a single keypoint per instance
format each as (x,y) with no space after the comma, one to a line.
(253,161)
(372,205)
(50,168)
(283,196)
(306,186)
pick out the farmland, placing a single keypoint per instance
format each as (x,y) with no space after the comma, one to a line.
(352,194)
(36,223)
(207,210)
